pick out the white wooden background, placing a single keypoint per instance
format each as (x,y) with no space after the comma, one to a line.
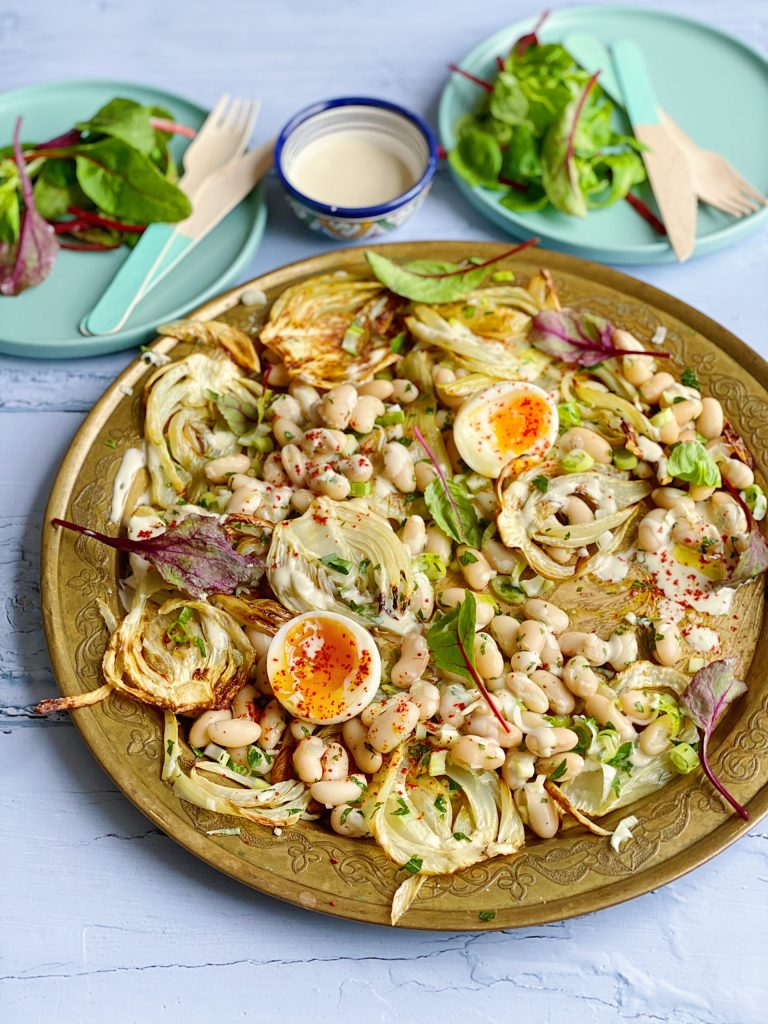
(105,919)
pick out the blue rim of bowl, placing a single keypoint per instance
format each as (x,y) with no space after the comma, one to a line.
(361,212)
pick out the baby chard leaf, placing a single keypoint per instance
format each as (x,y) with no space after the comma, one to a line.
(706,699)
(196,555)
(127,185)
(560,175)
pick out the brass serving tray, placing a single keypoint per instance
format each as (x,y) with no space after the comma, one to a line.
(680,827)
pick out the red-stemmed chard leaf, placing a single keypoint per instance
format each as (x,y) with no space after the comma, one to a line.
(161,124)
(577,337)
(29,260)
(470,77)
(705,701)
(559,173)
(530,38)
(646,213)
(196,555)
(753,560)
(527,244)
(91,219)
(449,504)
(451,643)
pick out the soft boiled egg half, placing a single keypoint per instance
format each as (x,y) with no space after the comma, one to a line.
(502,423)
(323,667)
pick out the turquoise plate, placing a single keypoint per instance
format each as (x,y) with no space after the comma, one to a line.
(713,85)
(42,322)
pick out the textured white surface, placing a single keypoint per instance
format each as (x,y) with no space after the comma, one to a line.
(105,918)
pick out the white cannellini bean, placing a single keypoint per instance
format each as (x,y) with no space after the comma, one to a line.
(711,419)
(579,677)
(528,691)
(307,397)
(244,703)
(654,530)
(422,599)
(338,791)
(451,596)
(605,711)
(261,677)
(519,766)
(543,818)
(655,738)
(378,388)
(322,441)
(198,733)
(525,661)
(273,723)
(414,658)
(286,431)
(687,410)
(577,511)
(414,535)
(653,389)
(355,736)
(302,499)
(334,762)
(667,649)
(399,468)
(587,440)
(426,697)
(489,660)
(258,640)
(234,732)
(574,765)
(356,468)
(301,730)
(649,450)
(273,471)
(349,821)
(622,650)
(285,407)
(561,700)
(392,725)
(295,464)
(499,556)
(531,636)
(425,473)
(437,543)
(589,645)
(637,706)
(219,469)
(504,630)
(307,759)
(404,391)
(548,741)
(474,567)
(548,613)
(366,410)
(671,497)
(477,752)
(737,474)
(328,482)
(335,408)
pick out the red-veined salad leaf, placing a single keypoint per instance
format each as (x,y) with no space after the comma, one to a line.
(705,701)
(449,504)
(577,337)
(451,642)
(559,173)
(196,555)
(29,260)
(436,282)
(752,561)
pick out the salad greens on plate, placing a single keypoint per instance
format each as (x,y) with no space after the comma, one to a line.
(96,187)
(543,135)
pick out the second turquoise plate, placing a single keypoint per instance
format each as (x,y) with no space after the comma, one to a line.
(42,322)
(713,85)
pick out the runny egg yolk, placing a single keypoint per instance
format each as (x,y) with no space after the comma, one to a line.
(519,422)
(323,667)
(502,423)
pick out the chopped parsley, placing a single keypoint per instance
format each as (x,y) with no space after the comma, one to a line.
(340,565)
(689,379)
(560,771)
(487,915)
(441,805)
(402,808)
(111,443)
(467,558)
(461,836)
(541,484)
(413,865)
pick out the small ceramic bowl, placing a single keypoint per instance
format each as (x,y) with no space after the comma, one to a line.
(405,133)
